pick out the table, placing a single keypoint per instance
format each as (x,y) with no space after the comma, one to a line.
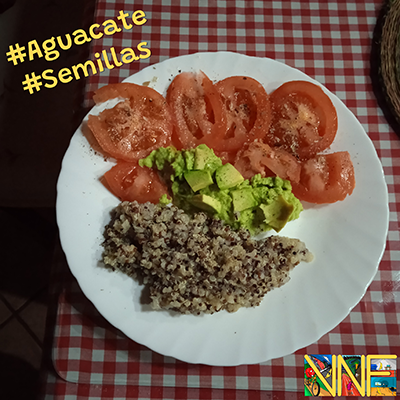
(329,41)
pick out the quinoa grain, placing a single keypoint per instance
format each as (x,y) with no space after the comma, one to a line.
(196,264)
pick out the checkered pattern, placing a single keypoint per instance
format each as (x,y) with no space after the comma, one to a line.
(329,41)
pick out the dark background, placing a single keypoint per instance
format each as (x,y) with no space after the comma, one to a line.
(35,130)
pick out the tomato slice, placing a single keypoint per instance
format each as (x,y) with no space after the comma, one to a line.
(128,181)
(197,110)
(326,178)
(248,111)
(304,120)
(135,126)
(260,158)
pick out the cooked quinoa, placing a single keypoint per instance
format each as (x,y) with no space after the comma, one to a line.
(196,264)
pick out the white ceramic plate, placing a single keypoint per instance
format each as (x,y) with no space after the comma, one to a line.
(347,239)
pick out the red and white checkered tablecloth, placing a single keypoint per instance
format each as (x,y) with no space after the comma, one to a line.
(331,42)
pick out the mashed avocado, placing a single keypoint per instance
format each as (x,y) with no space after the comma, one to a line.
(168,160)
(199,180)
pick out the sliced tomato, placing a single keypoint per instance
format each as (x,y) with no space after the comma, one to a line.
(260,158)
(304,119)
(226,157)
(326,178)
(135,126)
(197,110)
(248,112)
(129,182)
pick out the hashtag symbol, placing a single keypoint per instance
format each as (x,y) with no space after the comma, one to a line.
(16,54)
(32,83)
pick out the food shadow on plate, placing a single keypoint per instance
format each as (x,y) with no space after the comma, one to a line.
(93,143)
(144,303)
(307,206)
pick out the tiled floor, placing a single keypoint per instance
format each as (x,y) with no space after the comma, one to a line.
(24,278)
(34,134)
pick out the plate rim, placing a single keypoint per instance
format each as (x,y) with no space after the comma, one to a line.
(200,54)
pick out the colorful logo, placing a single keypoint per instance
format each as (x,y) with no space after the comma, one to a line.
(349,375)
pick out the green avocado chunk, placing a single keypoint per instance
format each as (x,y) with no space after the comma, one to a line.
(204,158)
(243,199)
(228,176)
(278,213)
(201,156)
(198,179)
(173,163)
(206,203)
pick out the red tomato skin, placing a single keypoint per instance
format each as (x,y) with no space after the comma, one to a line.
(134,127)
(197,111)
(311,129)
(260,158)
(129,182)
(248,111)
(126,90)
(326,178)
